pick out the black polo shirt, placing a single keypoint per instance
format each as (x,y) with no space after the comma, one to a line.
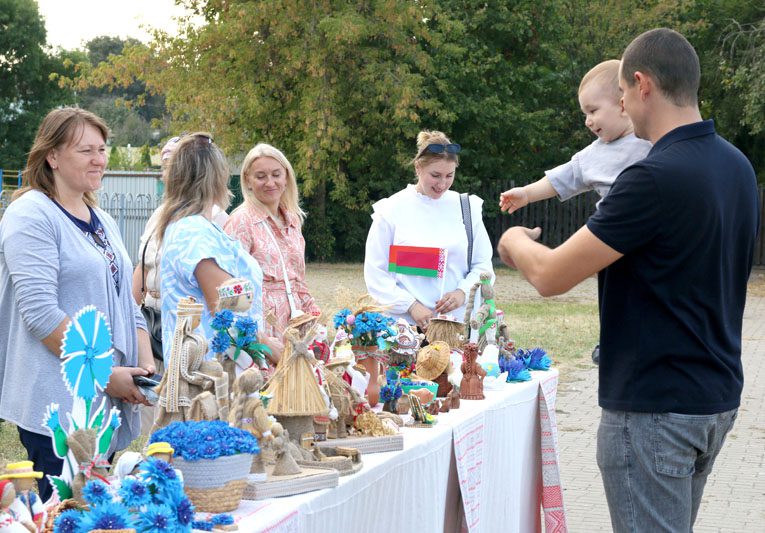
(686,219)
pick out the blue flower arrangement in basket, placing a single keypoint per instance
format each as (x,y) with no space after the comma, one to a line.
(215,459)
(153,501)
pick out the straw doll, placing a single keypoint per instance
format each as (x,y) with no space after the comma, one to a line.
(486,316)
(186,355)
(285,463)
(433,364)
(295,392)
(82,444)
(247,413)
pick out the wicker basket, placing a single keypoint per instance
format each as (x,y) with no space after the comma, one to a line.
(54,511)
(215,485)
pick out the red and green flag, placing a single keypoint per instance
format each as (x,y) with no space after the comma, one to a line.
(417,261)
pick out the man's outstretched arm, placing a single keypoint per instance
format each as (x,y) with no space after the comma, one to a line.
(555,271)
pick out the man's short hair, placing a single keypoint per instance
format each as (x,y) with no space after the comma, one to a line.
(669,59)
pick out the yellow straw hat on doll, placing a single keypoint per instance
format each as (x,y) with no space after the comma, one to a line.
(432,360)
(159,447)
(22,469)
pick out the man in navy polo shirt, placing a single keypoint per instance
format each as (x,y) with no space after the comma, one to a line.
(673,242)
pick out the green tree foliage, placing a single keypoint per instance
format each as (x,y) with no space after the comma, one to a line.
(145,162)
(26,91)
(117,159)
(343,87)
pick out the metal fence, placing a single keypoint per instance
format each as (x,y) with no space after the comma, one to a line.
(559,220)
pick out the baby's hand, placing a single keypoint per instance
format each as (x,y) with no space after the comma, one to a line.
(513,199)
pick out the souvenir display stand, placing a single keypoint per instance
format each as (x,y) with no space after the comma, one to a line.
(479,469)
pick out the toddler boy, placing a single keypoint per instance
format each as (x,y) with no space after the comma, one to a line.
(597,166)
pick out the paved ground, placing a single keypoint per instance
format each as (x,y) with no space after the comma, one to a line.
(734,500)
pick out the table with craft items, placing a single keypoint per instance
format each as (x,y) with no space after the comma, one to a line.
(491,465)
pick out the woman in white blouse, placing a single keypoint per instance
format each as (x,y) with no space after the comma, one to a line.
(427,214)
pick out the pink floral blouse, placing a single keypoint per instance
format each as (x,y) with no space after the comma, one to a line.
(246,224)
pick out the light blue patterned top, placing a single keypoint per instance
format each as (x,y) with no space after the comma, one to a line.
(187,242)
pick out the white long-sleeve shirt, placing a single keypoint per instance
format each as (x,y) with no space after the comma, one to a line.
(409,218)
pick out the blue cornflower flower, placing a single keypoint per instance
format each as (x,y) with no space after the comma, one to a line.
(247,326)
(222,320)
(220,342)
(516,370)
(157,519)
(184,510)
(202,525)
(222,519)
(133,492)
(538,359)
(108,515)
(95,493)
(340,316)
(68,522)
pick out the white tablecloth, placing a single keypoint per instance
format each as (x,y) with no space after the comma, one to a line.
(479,468)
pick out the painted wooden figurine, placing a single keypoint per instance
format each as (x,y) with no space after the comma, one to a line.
(9,521)
(27,502)
(471,387)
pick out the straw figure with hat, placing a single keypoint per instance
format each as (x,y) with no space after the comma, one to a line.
(433,364)
(446,328)
(10,522)
(294,389)
(187,375)
(26,503)
(348,400)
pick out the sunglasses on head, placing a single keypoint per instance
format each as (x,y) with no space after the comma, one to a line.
(177,138)
(441,148)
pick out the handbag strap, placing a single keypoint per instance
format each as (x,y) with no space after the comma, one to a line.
(290,299)
(143,271)
(467,220)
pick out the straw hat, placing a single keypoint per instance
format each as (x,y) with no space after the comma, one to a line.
(301,319)
(159,447)
(22,469)
(345,359)
(432,360)
(447,318)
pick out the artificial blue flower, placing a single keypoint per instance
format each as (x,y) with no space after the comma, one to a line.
(134,493)
(340,317)
(242,341)
(247,326)
(538,359)
(87,352)
(202,525)
(157,519)
(68,522)
(223,519)
(220,342)
(107,515)
(391,374)
(209,439)
(52,420)
(222,320)
(517,371)
(95,492)
(184,510)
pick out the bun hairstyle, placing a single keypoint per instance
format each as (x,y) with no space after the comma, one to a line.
(428,137)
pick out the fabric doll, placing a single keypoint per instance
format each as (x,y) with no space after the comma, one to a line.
(27,502)
(9,522)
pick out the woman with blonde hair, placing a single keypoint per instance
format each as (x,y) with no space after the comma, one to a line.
(59,253)
(268,224)
(428,215)
(197,255)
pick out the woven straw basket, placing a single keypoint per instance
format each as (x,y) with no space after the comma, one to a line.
(215,485)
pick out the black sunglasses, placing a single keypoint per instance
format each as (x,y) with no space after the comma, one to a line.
(441,148)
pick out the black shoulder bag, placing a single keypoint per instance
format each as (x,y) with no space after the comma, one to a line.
(467,219)
(152,316)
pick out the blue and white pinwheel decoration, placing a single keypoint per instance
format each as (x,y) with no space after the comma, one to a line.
(87,353)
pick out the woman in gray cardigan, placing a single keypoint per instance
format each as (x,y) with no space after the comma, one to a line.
(59,253)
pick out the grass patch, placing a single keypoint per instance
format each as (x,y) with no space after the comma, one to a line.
(567,331)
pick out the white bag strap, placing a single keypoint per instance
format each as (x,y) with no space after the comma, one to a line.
(294,311)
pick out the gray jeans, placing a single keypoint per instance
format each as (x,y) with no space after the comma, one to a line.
(655,465)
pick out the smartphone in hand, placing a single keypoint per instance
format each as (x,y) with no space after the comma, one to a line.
(147,381)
